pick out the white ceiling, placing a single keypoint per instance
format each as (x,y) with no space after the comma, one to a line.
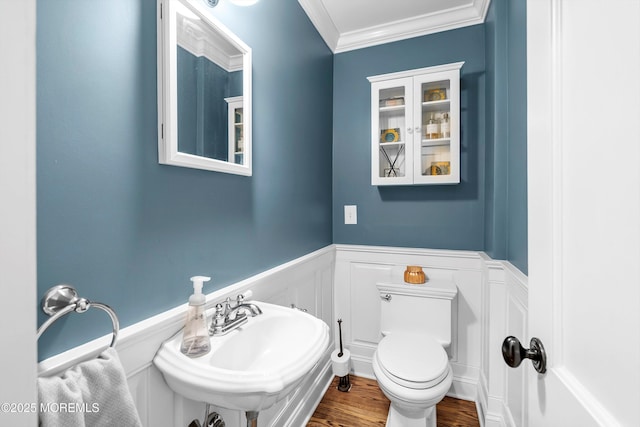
(353,24)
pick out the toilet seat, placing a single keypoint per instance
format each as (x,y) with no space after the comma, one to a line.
(413,360)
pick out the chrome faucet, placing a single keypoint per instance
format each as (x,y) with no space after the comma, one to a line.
(252,309)
(228,317)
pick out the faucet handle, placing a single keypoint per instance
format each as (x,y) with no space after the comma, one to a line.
(218,317)
(245,295)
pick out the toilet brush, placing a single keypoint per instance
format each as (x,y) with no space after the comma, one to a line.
(340,334)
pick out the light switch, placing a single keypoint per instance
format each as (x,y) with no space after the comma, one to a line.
(350,214)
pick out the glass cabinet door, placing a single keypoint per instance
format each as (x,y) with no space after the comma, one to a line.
(436,150)
(238,140)
(236,130)
(392,132)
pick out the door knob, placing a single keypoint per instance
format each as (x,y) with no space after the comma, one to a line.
(513,353)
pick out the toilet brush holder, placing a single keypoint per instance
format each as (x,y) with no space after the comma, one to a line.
(344,384)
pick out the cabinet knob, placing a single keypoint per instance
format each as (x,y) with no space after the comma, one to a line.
(417,129)
(410,130)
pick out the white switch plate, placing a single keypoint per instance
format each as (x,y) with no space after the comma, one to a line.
(350,214)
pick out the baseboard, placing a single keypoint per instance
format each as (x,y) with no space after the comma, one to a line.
(362,367)
(486,406)
(463,388)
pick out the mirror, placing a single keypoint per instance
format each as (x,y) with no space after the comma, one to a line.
(204,91)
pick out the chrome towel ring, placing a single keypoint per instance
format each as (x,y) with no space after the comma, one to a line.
(63,299)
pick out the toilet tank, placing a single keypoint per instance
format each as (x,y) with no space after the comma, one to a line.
(418,308)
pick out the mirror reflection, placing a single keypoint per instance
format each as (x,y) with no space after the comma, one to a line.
(209,73)
(206,73)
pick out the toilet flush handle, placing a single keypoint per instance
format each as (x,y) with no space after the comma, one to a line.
(386,297)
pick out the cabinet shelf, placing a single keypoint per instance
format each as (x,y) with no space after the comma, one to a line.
(392,108)
(436,104)
(435,142)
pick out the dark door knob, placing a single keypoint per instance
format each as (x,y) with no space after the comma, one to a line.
(513,353)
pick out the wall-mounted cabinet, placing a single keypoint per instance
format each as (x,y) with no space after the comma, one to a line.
(415,126)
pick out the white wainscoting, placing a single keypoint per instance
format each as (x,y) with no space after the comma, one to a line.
(359,268)
(502,391)
(339,281)
(306,282)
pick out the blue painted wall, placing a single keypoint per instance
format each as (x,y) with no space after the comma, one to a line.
(449,217)
(129,232)
(517,243)
(488,209)
(506,178)
(202,110)
(497,117)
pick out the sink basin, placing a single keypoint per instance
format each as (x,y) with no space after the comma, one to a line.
(252,367)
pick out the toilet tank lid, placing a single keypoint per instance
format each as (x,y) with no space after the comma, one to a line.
(433,288)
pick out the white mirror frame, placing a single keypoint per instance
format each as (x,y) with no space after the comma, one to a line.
(168,153)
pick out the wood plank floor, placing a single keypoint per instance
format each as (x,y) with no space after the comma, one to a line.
(365,405)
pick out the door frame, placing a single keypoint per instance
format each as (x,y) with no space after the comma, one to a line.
(18,214)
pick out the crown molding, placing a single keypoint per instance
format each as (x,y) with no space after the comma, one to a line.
(445,20)
(320,19)
(200,40)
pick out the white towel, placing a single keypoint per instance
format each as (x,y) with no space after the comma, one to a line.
(94,393)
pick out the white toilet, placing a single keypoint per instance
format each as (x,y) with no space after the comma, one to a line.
(410,362)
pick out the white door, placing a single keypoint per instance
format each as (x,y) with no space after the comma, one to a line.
(583,72)
(18,357)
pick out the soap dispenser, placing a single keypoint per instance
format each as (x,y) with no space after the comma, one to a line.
(195,338)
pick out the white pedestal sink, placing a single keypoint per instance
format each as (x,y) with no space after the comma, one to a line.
(252,367)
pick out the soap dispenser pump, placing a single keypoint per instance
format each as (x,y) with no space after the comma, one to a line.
(195,338)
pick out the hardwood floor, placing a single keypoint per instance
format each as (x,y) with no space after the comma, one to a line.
(365,405)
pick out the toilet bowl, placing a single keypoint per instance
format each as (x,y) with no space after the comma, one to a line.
(413,371)
(410,362)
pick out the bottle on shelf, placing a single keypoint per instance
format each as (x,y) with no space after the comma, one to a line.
(432,128)
(445,128)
